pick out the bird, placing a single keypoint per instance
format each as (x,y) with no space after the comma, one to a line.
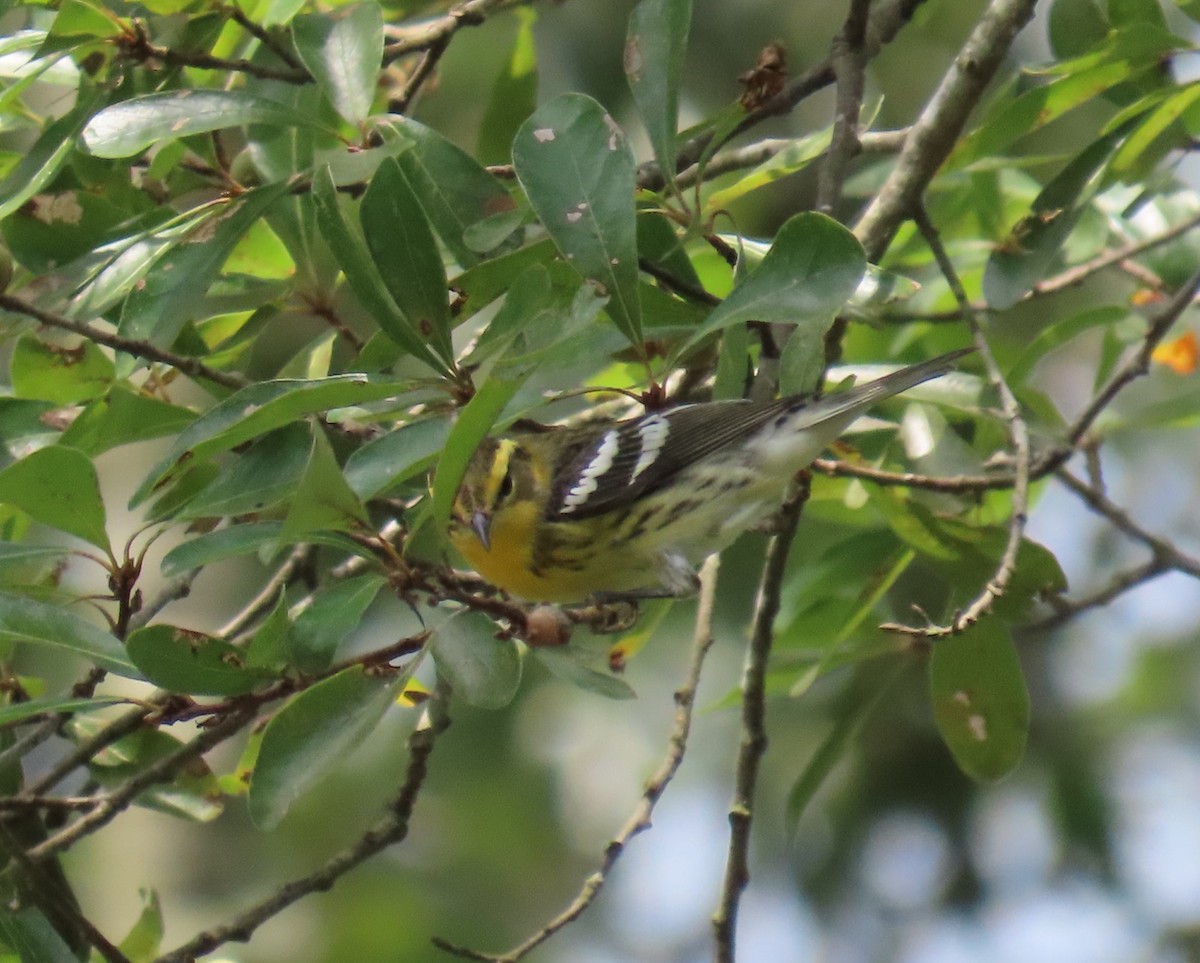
(629,509)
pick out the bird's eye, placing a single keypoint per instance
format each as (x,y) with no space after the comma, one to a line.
(506,487)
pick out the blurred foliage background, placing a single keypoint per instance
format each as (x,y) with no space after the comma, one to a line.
(1085,852)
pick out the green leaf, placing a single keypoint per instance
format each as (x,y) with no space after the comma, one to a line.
(1031,253)
(877,290)
(811,270)
(262,476)
(1136,12)
(236,540)
(144,940)
(980,702)
(255,410)
(1035,108)
(455,192)
(406,255)
(310,735)
(114,270)
(539,313)
(52,372)
(192,792)
(58,487)
(915,524)
(124,416)
(13,553)
(356,262)
(395,457)
(41,623)
(23,427)
(334,613)
(131,126)
(1155,133)
(1075,27)
(572,665)
(513,96)
(268,647)
(343,51)
(832,750)
(1058,334)
(35,707)
(29,934)
(654,50)
(40,164)
(84,18)
(158,308)
(482,670)
(323,500)
(191,663)
(796,156)
(579,174)
(659,244)
(802,362)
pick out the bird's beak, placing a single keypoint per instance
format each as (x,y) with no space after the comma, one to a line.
(482,524)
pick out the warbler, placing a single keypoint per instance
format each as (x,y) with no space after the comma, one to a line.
(629,508)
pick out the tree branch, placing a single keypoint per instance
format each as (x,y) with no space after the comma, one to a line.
(391,829)
(933,136)
(886,21)
(191,367)
(1019,433)
(639,819)
(469,14)
(109,806)
(849,62)
(754,728)
(1138,364)
(1098,502)
(137,46)
(422,74)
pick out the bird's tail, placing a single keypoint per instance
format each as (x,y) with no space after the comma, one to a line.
(858,399)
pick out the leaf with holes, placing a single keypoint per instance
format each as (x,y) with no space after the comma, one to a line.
(980,701)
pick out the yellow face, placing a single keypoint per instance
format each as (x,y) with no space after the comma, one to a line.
(495,518)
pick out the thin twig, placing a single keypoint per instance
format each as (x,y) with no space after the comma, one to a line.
(1139,363)
(849,61)
(420,75)
(1102,505)
(639,819)
(88,749)
(176,589)
(391,829)
(260,33)
(955,484)
(267,596)
(1165,556)
(1019,433)
(754,728)
(1121,257)
(887,19)
(1120,584)
(469,14)
(139,349)
(137,46)
(741,158)
(109,806)
(30,740)
(54,898)
(21,804)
